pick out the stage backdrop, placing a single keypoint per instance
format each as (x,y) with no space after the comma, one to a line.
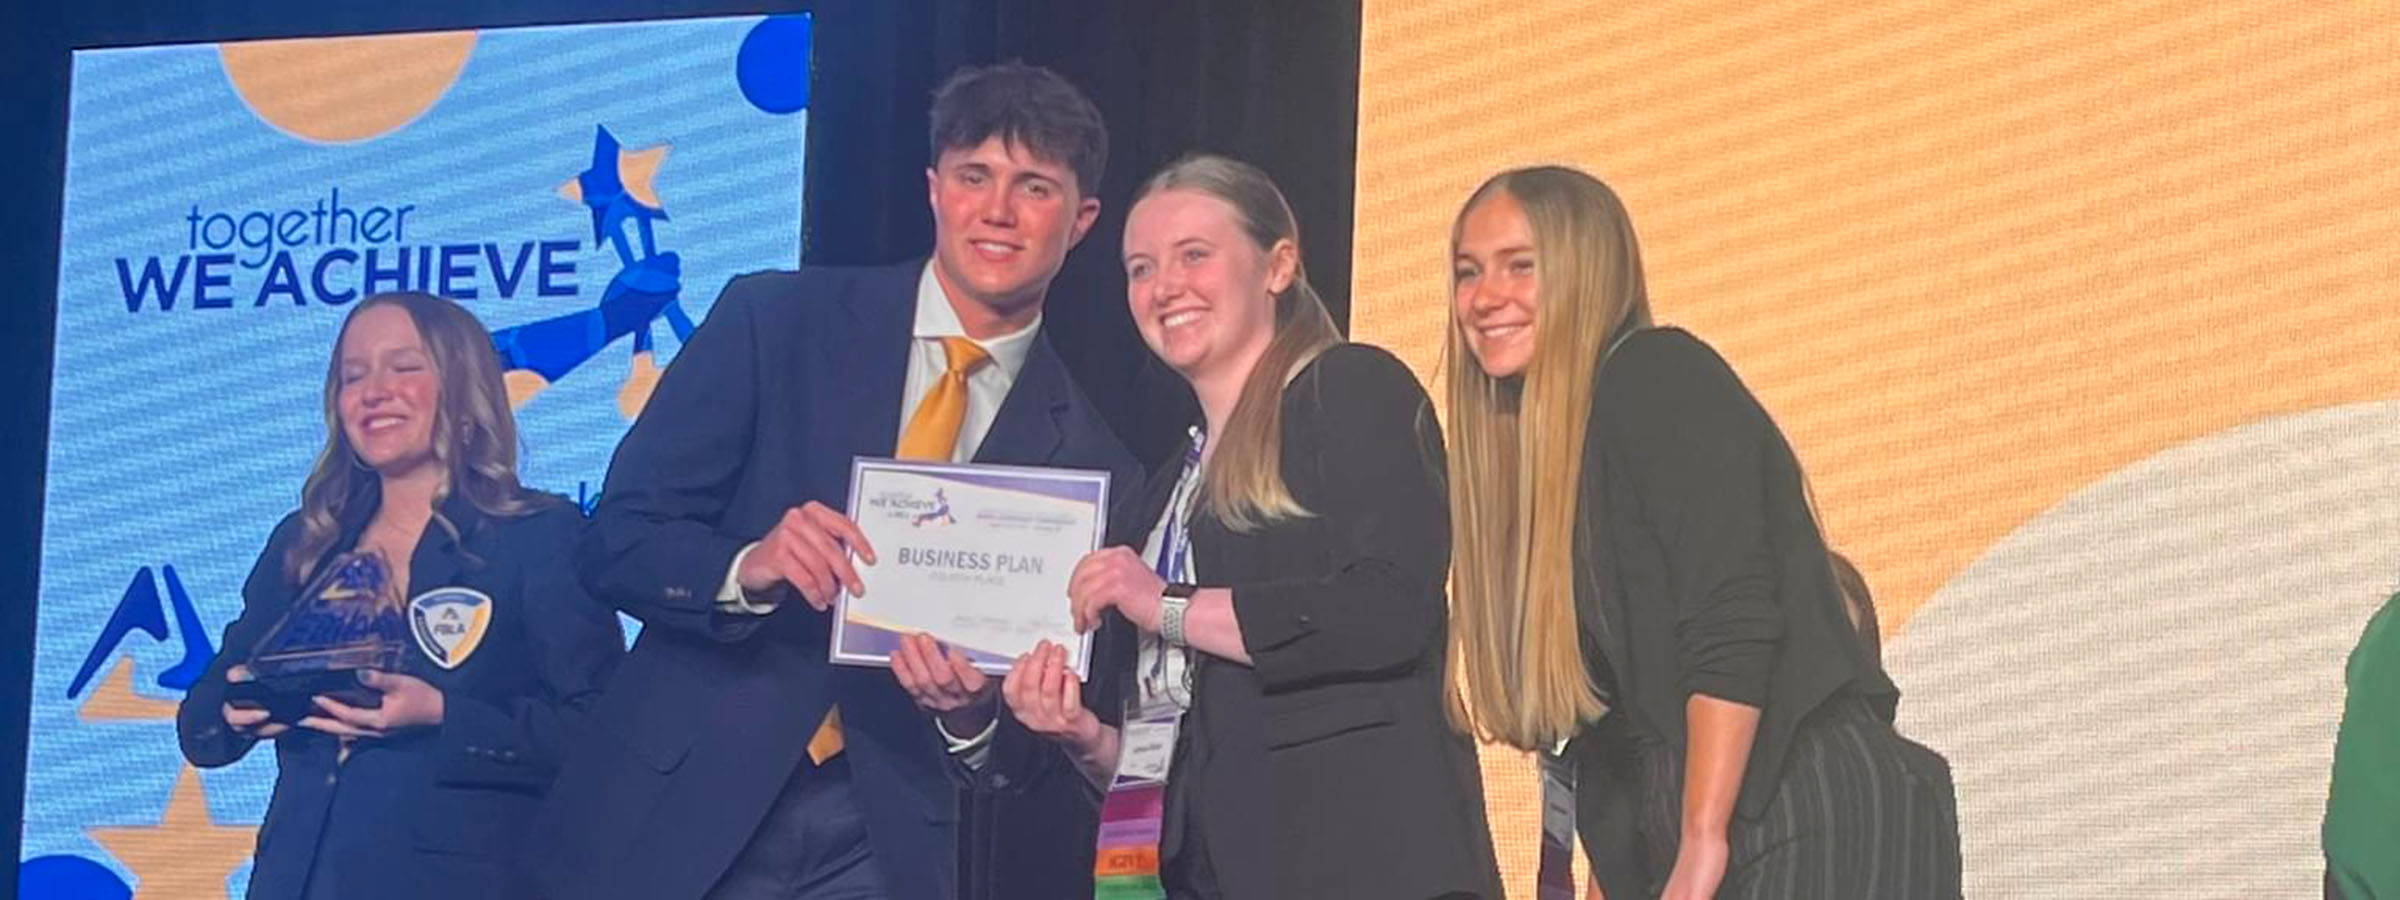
(584,190)
(2082,317)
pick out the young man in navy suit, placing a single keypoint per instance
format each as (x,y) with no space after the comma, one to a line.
(728,758)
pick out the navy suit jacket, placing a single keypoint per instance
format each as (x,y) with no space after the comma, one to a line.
(792,375)
(436,812)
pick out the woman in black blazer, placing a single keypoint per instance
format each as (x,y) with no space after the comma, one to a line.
(1286,620)
(1639,569)
(428,793)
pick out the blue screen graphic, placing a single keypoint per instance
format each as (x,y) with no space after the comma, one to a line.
(584,190)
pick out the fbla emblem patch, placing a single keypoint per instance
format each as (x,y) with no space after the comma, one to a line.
(450,623)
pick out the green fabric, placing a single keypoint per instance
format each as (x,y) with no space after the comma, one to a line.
(2362,815)
(1127,887)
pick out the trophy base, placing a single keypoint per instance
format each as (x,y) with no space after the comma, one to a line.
(290,698)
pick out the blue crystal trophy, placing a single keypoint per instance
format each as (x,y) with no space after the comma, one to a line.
(346,620)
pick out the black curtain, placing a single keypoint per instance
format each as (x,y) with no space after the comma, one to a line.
(1271,81)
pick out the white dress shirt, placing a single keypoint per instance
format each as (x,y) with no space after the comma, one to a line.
(987,386)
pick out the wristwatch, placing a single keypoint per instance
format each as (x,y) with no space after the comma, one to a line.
(1172,604)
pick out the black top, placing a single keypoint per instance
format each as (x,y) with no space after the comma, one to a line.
(437,811)
(1699,569)
(1326,768)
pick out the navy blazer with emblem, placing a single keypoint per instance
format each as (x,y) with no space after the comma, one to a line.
(440,811)
(792,376)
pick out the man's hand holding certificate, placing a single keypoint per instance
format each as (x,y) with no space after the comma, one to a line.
(976,556)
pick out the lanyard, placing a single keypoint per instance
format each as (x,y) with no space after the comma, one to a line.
(1175,541)
(1175,565)
(1125,862)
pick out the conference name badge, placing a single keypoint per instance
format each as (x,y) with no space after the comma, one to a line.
(450,623)
(1148,748)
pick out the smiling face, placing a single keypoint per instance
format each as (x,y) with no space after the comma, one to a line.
(1201,291)
(1495,285)
(389,392)
(1003,221)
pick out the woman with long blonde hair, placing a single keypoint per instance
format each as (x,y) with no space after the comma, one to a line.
(1641,590)
(1265,712)
(426,786)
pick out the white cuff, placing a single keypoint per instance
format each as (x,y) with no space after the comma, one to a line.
(730,596)
(971,752)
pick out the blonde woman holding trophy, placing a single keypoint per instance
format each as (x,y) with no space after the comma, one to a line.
(413,639)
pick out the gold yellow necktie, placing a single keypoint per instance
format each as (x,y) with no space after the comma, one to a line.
(931,434)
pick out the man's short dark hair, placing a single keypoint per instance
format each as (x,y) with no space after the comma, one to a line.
(1029,106)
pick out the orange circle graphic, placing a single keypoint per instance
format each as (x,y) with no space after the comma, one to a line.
(347,89)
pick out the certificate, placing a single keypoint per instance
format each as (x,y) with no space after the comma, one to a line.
(976,555)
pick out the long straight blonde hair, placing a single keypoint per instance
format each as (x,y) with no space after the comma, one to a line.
(474,434)
(1243,486)
(1516,458)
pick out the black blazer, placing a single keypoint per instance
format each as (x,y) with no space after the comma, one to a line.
(1327,769)
(791,376)
(441,811)
(1698,569)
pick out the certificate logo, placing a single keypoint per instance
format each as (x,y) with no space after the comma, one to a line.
(919,509)
(938,515)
